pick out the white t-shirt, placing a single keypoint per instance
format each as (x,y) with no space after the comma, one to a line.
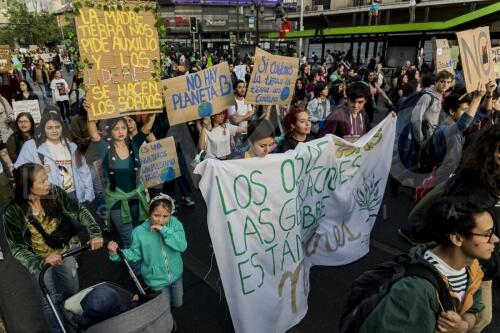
(458,279)
(412,3)
(61,89)
(61,155)
(219,140)
(241,109)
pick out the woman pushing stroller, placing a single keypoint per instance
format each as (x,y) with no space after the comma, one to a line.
(158,244)
(38,225)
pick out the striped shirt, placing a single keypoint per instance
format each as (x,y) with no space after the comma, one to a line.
(457,279)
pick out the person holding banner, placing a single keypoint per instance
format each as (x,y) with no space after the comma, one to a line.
(298,129)
(215,136)
(260,139)
(124,193)
(350,121)
(25,130)
(25,93)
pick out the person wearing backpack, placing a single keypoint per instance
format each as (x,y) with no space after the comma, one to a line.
(425,114)
(463,231)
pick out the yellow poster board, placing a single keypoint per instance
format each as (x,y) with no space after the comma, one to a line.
(122,47)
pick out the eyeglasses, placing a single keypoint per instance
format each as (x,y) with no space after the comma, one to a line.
(489,234)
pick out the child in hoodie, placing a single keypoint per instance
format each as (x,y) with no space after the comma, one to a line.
(158,244)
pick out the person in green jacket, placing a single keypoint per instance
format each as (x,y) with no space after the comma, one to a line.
(39,211)
(157,244)
(463,231)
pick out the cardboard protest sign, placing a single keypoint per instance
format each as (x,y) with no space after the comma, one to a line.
(31,106)
(271,219)
(123,49)
(476,56)
(159,162)
(273,79)
(198,95)
(496,61)
(441,56)
(5,59)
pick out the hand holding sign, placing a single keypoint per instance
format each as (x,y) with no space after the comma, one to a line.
(476,55)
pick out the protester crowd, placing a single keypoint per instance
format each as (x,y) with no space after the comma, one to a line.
(68,172)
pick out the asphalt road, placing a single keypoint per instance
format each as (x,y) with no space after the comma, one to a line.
(205,308)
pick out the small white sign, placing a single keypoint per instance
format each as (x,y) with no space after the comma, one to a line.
(30,106)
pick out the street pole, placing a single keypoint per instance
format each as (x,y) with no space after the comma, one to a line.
(238,24)
(301,26)
(194,46)
(257,38)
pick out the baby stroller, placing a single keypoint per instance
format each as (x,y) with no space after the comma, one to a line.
(151,316)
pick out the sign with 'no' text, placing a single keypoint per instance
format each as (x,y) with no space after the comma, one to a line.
(476,55)
(273,79)
(202,94)
(122,48)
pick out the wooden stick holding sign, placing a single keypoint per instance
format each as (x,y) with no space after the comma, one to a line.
(159,162)
(273,79)
(476,55)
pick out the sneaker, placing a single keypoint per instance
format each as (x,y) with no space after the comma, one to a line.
(406,234)
(1,254)
(187,201)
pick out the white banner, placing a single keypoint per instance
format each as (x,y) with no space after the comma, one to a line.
(271,219)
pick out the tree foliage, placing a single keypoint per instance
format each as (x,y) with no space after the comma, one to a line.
(25,27)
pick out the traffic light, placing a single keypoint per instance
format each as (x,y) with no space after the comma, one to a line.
(193,25)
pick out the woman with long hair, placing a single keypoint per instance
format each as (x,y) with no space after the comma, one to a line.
(215,136)
(298,129)
(319,108)
(25,92)
(300,96)
(25,130)
(53,149)
(124,193)
(39,223)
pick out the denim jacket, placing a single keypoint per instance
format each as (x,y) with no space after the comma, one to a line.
(81,175)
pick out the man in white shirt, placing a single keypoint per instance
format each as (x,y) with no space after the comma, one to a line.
(240,113)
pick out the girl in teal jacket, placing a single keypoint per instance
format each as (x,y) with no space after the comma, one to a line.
(158,244)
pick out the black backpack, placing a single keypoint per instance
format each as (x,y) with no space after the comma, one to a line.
(372,286)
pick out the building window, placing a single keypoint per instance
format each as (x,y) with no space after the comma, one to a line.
(324,3)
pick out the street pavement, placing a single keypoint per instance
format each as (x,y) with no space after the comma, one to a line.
(205,308)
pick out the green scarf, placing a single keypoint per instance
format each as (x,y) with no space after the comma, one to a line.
(112,197)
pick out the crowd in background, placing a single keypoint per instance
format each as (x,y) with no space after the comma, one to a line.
(94,166)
